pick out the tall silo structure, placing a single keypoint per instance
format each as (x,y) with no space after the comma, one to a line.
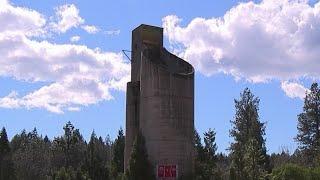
(160,103)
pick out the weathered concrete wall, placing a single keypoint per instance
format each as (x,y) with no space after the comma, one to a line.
(166,102)
(132,117)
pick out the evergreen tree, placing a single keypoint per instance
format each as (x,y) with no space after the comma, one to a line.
(200,157)
(200,154)
(95,159)
(64,174)
(253,156)
(295,172)
(139,165)
(232,174)
(31,156)
(118,155)
(70,174)
(4,143)
(248,134)
(46,140)
(68,141)
(19,140)
(109,151)
(210,148)
(69,149)
(309,126)
(77,149)
(222,166)
(206,158)
(6,165)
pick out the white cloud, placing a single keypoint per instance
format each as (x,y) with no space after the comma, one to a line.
(90,29)
(9,101)
(67,17)
(294,90)
(75,38)
(259,42)
(112,32)
(74,109)
(74,75)
(20,20)
(61,95)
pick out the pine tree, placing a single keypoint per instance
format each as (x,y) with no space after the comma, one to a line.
(95,163)
(69,149)
(68,141)
(6,165)
(253,156)
(139,165)
(117,165)
(247,129)
(206,158)
(200,157)
(70,174)
(4,143)
(198,146)
(46,140)
(19,140)
(31,156)
(109,151)
(210,148)
(309,126)
(232,174)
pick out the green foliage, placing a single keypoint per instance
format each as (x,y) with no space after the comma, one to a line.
(222,166)
(198,146)
(309,126)
(315,173)
(117,165)
(6,164)
(70,174)
(210,147)
(253,157)
(139,165)
(200,157)
(280,159)
(66,157)
(95,159)
(248,151)
(31,155)
(4,143)
(65,174)
(295,172)
(69,149)
(206,158)
(232,174)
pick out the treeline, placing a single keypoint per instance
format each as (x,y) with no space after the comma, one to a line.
(248,158)
(30,156)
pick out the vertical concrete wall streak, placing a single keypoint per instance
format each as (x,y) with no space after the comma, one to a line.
(132,117)
(160,102)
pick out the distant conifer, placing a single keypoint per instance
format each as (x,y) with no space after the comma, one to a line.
(117,164)
(309,126)
(6,164)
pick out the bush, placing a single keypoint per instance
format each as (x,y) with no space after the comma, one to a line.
(295,172)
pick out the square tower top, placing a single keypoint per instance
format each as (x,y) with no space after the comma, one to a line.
(148,34)
(144,36)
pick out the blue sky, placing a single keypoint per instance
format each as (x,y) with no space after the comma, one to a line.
(56,69)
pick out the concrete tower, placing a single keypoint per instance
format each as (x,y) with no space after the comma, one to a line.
(160,103)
